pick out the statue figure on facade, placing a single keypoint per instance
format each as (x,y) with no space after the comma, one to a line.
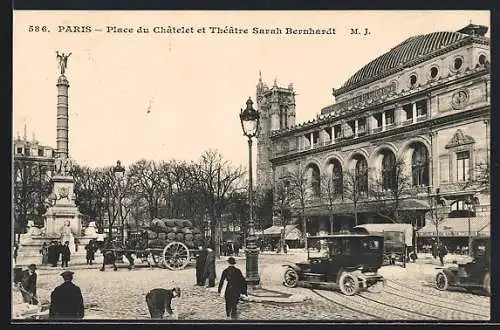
(63,61)
(63,166)
(67,235)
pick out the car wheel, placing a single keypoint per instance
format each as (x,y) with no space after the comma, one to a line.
(349,284)
(290,278)
(487,284)
(442,281)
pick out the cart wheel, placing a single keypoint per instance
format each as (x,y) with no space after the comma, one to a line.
(349,284)
(290,278)
(378,287)
(442,281)
(175,256)
(487,284)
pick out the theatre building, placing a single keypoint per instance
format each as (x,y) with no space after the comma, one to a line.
(406,139)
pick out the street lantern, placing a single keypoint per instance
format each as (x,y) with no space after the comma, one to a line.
(249,120)
(119,172)
(250,124)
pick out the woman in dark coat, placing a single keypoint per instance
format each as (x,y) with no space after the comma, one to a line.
(90,254)
(65,254)
(200,266)
(236,286)
(209,269)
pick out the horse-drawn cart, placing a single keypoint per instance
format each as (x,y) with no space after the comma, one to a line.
(167,243)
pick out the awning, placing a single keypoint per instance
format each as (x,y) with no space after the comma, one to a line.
(291,232)
(479,226)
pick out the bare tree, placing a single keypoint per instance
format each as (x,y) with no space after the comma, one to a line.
(219,179)
(282,204)
(31,187)
(355,189)
(299,194)
(146,179)
(331,192)
(388,189)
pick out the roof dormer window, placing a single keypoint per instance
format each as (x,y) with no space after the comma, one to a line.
(482,59)
(413,80)
(457,63)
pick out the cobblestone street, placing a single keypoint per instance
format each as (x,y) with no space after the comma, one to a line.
(408,295)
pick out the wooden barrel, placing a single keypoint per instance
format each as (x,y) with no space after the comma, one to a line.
(174,229)
(152,234)
(180,237)
(179,223)
(188,223)
(171,236)
(188,237)
(186,230)
(162,236)
(170,222)
(196,231)
(198,237)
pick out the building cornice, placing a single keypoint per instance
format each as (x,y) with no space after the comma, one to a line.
(421,91)
(416,129)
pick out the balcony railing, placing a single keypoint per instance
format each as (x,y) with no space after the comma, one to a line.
(407,122)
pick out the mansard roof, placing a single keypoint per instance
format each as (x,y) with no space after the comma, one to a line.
(409,50)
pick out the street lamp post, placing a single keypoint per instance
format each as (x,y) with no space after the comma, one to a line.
(250,124)
(119,172)
(471,203)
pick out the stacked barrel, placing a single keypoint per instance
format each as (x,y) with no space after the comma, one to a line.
(163,231)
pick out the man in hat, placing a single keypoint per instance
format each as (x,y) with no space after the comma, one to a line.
(66,301)
(159,300)
(209,268)
(236,286)
(200,265)
(65,254)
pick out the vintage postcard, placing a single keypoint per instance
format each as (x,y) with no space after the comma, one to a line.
(245,166)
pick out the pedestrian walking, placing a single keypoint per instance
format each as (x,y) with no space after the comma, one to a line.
(66,301)
(209,269)
(65,254)
(200,265)
(442,251)
(237,248)
(90,252)
(14,254)
(52,254)
(160,300)
(44,253)
(434,249)
(234,288)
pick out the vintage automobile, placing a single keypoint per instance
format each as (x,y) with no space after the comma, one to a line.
(398,238)
(472,275)
(347,261)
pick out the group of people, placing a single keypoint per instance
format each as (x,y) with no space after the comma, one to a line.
(54,251)
(232,284)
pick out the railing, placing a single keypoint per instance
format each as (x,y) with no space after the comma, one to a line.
(377,129)
(421,118)
(407,122)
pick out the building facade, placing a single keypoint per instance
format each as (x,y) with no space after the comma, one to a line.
(406,139)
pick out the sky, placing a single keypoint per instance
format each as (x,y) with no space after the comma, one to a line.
(193,84)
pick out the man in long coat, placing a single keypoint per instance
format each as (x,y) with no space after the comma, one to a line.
(200,265)
(236,286)
(159,300)
(65,254)
(66,301)
(209,269)
(53,255)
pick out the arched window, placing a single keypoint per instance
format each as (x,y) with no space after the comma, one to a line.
(337,182)
(361,175)
(314,180)
(420,166)
(388,171)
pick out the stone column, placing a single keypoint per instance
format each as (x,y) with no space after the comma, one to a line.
(355,128)
(62,117)
(414,112)
(312,140)
(383,120)
(333,134)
